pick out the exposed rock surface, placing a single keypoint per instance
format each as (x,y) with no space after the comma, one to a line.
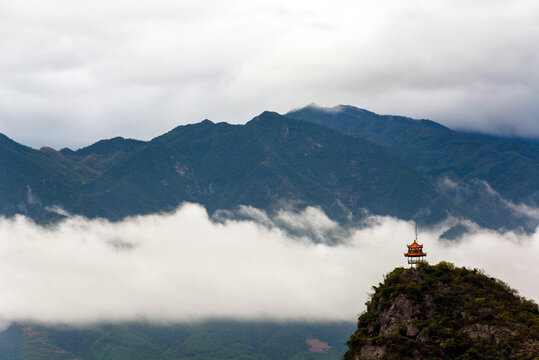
(443,312)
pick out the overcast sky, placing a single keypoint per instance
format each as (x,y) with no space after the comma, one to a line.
(73,72)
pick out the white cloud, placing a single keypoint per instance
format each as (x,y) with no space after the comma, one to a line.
(482,192)
(137,69)
(183,266)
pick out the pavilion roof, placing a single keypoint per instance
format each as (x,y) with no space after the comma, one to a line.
(415,245)
(415,253)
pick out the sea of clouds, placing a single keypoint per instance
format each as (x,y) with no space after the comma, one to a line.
(187,266)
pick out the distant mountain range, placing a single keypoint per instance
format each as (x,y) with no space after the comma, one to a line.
(510,166)
(346,160)
(214,340)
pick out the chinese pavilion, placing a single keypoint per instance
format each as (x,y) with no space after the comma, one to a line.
(415,252)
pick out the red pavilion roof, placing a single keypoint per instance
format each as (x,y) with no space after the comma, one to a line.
(415,253)
(415,245)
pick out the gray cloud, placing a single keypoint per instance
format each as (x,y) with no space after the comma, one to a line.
(73,74)
(183,266)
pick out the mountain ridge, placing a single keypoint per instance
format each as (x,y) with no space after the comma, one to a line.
(436,150)
(251,164)
(208,340)
(324,163)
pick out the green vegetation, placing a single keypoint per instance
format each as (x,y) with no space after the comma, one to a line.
(268,160)
(224,340)
(386,164)
(444,312)
(510,167)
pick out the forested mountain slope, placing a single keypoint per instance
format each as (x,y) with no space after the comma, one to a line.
(510,167)
(348,161)
(444,312)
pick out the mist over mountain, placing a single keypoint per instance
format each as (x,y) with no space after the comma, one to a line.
(291,211)
(481,176)
(155,285)
(186,265)
(348,161)
(131,228)
(509,166)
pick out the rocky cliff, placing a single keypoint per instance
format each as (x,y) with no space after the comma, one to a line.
(444,312)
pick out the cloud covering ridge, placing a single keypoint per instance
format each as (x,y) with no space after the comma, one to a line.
(184,266)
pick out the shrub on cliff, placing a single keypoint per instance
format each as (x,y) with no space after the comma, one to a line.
(445,312)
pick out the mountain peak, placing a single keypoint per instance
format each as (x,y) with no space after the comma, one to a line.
(268,115)
(266,119)
(442,311)
(315,108)
(108,146)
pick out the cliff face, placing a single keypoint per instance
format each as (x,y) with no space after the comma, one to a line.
(444,312)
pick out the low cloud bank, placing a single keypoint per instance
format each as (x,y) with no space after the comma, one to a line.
(184,266)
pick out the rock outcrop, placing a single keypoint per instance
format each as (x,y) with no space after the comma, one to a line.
(443,312)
